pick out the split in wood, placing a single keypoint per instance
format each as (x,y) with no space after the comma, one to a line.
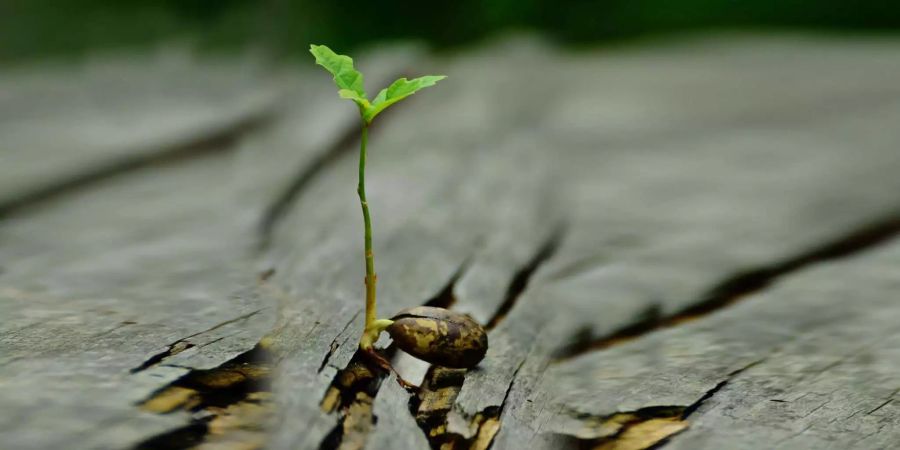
(741,286)
(230,404)
(341,145)
(353,389)
(432,408)
(522,277)
(351,395)
(185,343)
(434,402)
(217,139)
(644,428)
(637,431)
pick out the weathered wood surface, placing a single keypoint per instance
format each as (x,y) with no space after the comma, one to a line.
(62,127)
(666,243)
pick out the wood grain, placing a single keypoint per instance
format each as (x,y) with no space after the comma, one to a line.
(684,245)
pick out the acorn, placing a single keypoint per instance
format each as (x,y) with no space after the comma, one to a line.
(439,336)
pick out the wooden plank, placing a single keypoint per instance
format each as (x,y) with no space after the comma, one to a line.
(152,273)
(420,179)
(80,311)
(509,359)
(649,235)
(556,214)
(66,126)
(808,363)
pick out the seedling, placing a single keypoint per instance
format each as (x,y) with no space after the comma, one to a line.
(435,335)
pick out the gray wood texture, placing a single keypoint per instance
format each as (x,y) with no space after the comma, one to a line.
(684,245)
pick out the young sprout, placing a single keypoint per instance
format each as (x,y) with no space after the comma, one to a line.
(435,335)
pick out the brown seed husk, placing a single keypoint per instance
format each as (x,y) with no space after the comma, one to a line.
(439,336)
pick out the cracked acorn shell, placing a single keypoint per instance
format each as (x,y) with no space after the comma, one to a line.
(439,336)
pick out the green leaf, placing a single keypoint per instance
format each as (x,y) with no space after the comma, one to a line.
(348,79)
(397,91)
(350,83)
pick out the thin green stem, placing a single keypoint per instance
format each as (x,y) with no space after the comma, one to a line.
(370,334)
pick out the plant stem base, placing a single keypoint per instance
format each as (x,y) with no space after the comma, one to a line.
(380,361)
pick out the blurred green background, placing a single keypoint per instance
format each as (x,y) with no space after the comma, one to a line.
(32,29)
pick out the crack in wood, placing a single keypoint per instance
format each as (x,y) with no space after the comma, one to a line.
(645,428)
(692,408)
(445,298)
(738,287)
(641,433)
(233,396)
(523,276)
(185,437)
(353,389)
(334,342)
(171,350)
(351,395)
(308,172)
(231,403)
(218,139)
(432,409)
(433,404)
(184,343)
(885,403)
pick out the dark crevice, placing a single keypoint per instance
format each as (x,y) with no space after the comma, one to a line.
(184,344)
(882,405)
(434,403)
(225,384)
(210,141)
(218,339)
(520,280)
(173,349)
(334,344)
(207,394)
(353,389)
(436,395)
(495,413)
(889,400)
(188,436)
(690,409)
(342,145)
(445,298)
(646,428)
(583,342)
(740,286)
(227,322)
(333,438)
(114,329)
(351,396)
(442,385)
